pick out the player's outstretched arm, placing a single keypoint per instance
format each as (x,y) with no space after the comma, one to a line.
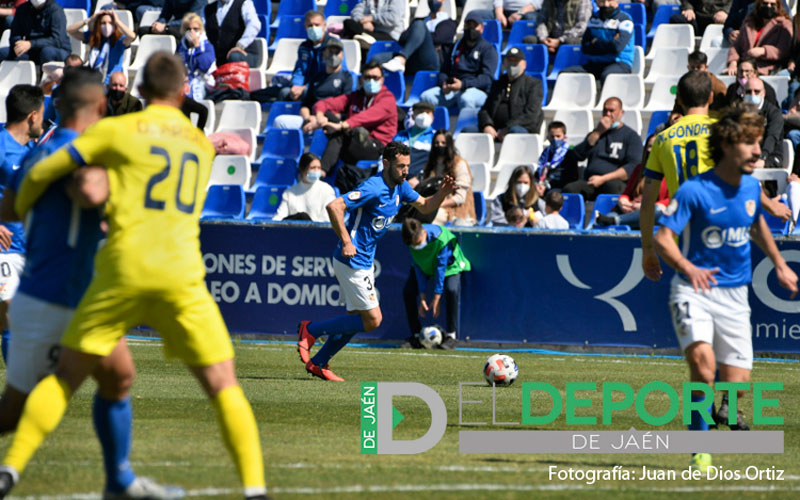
(336,210)
(701,279)
(775,208)
(650,264)
(762,236)
(431,203)
(40,176)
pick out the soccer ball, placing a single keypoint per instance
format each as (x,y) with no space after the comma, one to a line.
(430,337)
(500,370)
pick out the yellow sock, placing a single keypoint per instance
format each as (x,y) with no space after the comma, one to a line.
(43,411)
(240,433)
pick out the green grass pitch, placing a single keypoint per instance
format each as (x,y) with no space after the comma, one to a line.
(310,431)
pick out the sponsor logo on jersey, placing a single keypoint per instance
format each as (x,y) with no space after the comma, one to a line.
(714,236)
(380,222)
(354,195)
(671,208)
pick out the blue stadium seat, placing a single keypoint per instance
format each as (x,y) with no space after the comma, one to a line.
(466,117)
(282,143)
(480,207)
(293,8)
(603,204)
(291,27)
(567,55)
(264,31)
(636,11)
(319,141)
(493,32)
(396,82)
(339,7)
(656,119)
(281,108)
(226,201)
(423,80)
(382,46)
(639,38)
(573,210)
(536,57)
(265,202)
(441,118)
(264,8)
(776,225)
(275,172)
(519,30)
(661,16)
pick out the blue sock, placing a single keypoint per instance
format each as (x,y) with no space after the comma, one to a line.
(334,344)
(347,324)
(112,422)
(6,338)
(697,423)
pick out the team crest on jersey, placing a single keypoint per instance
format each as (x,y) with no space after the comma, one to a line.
(337,83)
(750,206)
(671,208)
(476,55)
(353,196)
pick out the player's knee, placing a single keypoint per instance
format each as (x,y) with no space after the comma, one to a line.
(372,320)
(114,383)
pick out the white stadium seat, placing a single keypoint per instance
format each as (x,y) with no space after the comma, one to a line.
(772,174)
(573,91)
(633,119)
(717,59)
(505,174)
(212,116)
(480,177)
(149,45)
(672,35)
(352,55)
(285,56)
(628,88)
(663,94)
(231,169)
(638,61)
(579,123)
(788,155)
(149,17)
(713,38)
(16,73)
(475,147)
(781,85)
(519,148)
(667,62)
(73,16)
(240,114)
(727,79)
(262,65)
(473,5)
(257,79)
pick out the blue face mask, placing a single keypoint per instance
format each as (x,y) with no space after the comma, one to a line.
(314,33)
(616,125)
(372,87)
(557,143)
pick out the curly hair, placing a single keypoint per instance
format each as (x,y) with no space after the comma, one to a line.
(395,149)
(736,124)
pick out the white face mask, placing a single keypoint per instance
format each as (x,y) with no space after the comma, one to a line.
(522,189)
(314,33)
(753,99)
(313,176)
(420,246)
(107,30)
(423,120)
(37,3)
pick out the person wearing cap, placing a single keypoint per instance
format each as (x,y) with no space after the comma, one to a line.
(418,137)
(510,11)
(514,105)
(332,82)
(466,76)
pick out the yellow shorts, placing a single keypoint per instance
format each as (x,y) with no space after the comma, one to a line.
(188,320)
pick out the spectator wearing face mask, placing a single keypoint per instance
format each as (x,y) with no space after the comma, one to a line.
(120,101)
(418,137)
(766,36)
(514,105)
(310,57)
(771,150)
(198,56)
(107,38)
(745,71)
(549,167)
(459,206)
(38,33)
(520,193)
(307,199)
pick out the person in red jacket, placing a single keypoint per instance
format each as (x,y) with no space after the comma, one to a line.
(358,125)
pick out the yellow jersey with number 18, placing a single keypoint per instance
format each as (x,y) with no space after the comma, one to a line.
(681,151)
(158,167)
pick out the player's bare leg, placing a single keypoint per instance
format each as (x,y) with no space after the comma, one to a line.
(728,373)
(367,321)
(702,368)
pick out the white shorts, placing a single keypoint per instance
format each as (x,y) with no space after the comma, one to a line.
(36,330)
(11,266)
(356,287)
(720,318)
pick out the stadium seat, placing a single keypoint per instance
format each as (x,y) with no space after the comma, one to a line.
(713,38)
(772,174)
(291,27)
(493,33)
(638,62)
(423,9)
(518,148)
(661,16)
(628,88)
(212,115)
(466,117)
(728,79)
(283,143)
(470,5)
(352,55)
(787,148)
(480,207)
(636,11)
(481,176)
(672,35)
(396,83)
(281,108)
(263,8)
(441,118)
(284,56)
(603,204)
(519,30)
(639,38)
(382,46)
(240,114)
(148,18)
(248,135)
(573,210)
(86,5)
(264,31)
(781,85)
(504,175)
(423,80)
(275,172)
(339,7)
(292,8)
(573,91)
(256,80)
(663,94)
(149,45)
(579,123)
(666,63)
(72,16)
(230,169)
(536,58)
(475,147)
(262,64)
(567,55)
(265,202)
(776,225)
(656,119)
(717,59)
(319,141)
(225,202)
(5,38)
(633,119)
(15,73)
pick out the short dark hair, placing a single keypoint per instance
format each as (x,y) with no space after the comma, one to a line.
(164,75)
(737,123)
(694,88)
(21,101)
(554,200)
(73,96)
(698,57)
(748,59)
(412,228)
(557,124)
(394,149)
(73,60)
(372,64)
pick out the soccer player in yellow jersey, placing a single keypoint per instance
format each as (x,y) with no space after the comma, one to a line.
(149,272)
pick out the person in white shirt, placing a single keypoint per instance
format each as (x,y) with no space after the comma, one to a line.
(307,199)
(551,219)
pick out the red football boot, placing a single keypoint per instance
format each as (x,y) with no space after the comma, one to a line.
(305,341)
(323,372)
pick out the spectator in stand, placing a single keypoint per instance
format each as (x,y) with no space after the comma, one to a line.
(7,10)
(562,22)
(608,42)
(549,172)
(333,82)
(232,27)
(514,105)
(613,150)
(358,126)
(137,7)
(698,61)
(419,138)
(169,21)
(520,193)
(372,20)
(51,81)
(701,13)
(510,11)
(38,33)
(195,111)
(765,35)
(120,101)
(458,207)
(420,42)
(745,71)
(551,218)
(307,199)
(771,151)
(466,76)
(791,129)
(626,212)
(108,39)
(198,56)
(738,10)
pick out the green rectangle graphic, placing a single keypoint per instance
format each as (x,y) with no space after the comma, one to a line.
(369,418)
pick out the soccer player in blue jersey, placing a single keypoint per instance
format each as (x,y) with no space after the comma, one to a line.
(717,214)
(372,207)
(62,238)
(24,116)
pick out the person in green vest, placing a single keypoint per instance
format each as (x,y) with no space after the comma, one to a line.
(436,255)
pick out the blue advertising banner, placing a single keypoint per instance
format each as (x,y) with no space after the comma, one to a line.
(525,286)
